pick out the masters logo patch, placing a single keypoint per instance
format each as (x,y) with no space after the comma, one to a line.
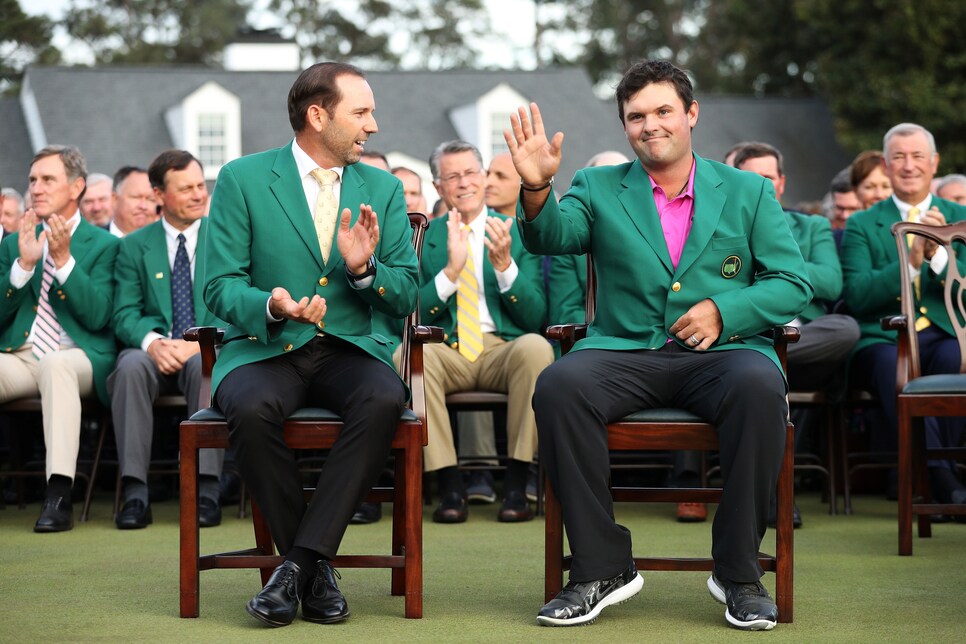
(731,267)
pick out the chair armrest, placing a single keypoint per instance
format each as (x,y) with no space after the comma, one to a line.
(893,323)
(426,334)
(209,338)
(566,334)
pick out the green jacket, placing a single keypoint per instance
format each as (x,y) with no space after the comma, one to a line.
(142,285)
(814,237)
(83,303)
(870,264)
(739,253)
(261,236)
(520,310)
(567,289)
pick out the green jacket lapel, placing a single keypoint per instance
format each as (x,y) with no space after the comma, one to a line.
(287,188)
(708,204)
(642,211)
(158,271)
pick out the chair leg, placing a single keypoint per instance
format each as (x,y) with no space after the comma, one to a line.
(88,495)
(831,429)
(920,475)
(189,525)
(905,479)
(785,532)
(413,468)
(844,423)
(553,545)
(263,540)
(399,515)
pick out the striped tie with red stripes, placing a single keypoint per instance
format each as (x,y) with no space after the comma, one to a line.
(47,330)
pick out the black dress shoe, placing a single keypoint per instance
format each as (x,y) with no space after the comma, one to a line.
(134,515)
(57,515)
(209,512)
(367,513)
(581,602)
(324,603)
(452,509)
(515,508)
(750,607)
(278,602)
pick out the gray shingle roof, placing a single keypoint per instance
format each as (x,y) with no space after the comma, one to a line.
(115,115)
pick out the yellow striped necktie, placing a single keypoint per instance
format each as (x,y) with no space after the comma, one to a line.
(468,307)
(326,210)
(922,322)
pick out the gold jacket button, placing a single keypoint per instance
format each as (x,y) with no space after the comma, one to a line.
(63,297)
(321,324)
(288,347)
(253,338)
(513,298)
(923,310)
(676,287)
(382,290)
(734,337)
(455,345)
(324,281)
(445,337)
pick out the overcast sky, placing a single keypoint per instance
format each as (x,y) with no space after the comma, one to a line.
(512,21)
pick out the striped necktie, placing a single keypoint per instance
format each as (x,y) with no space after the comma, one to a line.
(326,210)
(468,307)
(47,329)
(922,322)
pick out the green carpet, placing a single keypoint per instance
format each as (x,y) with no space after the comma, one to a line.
(483,583)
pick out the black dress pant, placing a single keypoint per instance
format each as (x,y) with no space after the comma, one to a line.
(741,391)
(330,373)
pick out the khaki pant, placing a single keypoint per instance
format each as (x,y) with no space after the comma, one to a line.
(510,367)
(61,378)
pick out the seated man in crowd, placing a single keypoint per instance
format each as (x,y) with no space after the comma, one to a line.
(133,200)
(480,284)
(159,286)
(58,281)
(11,211)
(871,267)
(96,206)
(817,360)
(693,261)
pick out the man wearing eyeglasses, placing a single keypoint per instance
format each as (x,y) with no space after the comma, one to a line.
(486,291)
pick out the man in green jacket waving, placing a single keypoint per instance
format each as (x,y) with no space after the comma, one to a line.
(693,260)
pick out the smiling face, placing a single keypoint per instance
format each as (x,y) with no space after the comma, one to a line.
(461,183)
(343,134)
(658,126)
(874,188)
(910,165)
(184,199)
(96,205)
(50,189)
(134,203)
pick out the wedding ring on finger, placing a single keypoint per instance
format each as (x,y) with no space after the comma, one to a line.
(694,340)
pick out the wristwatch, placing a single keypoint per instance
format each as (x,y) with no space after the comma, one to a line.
(370,271)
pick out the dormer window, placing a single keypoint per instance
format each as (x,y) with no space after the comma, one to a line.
(207,123)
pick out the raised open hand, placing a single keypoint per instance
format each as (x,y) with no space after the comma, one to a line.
(358,243)
(535,157)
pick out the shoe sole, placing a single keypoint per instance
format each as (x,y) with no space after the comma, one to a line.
(263,618)
(47,529)
(325,620)
(481,499)
(619,596)
(755,625)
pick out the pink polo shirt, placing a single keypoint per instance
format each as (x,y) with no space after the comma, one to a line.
(676,216)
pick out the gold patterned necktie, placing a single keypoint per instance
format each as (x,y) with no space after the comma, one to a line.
(922,321)
(468,307)
(326,210)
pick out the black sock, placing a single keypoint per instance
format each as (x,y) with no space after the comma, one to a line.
(516,476)
(59,485)
(306,559)
(449,480)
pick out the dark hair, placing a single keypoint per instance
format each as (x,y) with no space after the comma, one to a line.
(842,182)
(124,172)
(316,86)
(646,72)
(74,163)
(166,161)
(375,154)
(864,164)
(756,150)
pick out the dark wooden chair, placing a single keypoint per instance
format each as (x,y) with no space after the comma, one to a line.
(668,430)
(933,395)
(91,408)
(315,428)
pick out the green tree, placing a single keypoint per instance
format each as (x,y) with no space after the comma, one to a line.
(376,34)
(24,40)
(156,31)
(882,62)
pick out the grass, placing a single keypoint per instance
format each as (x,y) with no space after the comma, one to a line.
(483,583)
